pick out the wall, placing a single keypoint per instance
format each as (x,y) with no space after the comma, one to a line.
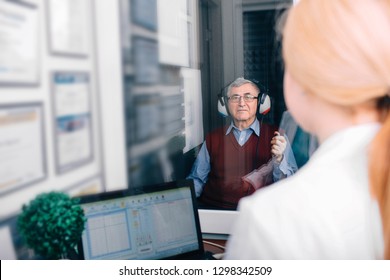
(101,61)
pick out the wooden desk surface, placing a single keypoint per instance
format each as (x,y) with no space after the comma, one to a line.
(215,246)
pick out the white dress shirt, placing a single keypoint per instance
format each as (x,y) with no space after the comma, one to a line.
(324,211)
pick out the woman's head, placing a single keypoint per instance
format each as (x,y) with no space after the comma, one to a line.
(339,50)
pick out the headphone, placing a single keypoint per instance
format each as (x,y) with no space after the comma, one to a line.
(263,102)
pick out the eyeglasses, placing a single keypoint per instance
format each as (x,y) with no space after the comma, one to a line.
(247,98)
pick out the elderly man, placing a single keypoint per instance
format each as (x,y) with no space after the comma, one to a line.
(231,152)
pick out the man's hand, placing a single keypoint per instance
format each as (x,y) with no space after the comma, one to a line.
(279,144)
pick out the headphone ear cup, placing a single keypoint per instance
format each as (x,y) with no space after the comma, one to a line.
(264,104)
(222,106)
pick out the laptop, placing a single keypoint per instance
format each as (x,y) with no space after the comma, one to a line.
(154,222)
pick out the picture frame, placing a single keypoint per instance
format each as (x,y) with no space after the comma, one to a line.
(91,185)
(72,119)
(22,146)
(19,56)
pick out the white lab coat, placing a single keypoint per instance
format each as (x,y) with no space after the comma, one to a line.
(324,211)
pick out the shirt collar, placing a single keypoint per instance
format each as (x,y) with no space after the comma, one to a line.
(255,126)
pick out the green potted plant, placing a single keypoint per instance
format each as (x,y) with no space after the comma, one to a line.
(51,224)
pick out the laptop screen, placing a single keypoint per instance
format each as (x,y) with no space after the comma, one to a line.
(156,222)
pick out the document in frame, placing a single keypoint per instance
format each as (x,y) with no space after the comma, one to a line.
(22,149)
(19,43)
(90,185)
(73,131)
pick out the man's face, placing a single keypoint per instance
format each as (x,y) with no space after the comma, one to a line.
(243,112)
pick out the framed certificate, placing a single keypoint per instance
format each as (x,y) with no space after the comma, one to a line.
(68,27)
(72,113)
(90,185)
(22,147)
(19,43)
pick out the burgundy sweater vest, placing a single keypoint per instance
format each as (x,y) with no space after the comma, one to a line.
(229,162)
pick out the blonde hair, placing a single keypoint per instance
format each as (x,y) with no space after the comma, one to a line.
(340,51)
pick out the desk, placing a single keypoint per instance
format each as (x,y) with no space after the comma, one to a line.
(215,246)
